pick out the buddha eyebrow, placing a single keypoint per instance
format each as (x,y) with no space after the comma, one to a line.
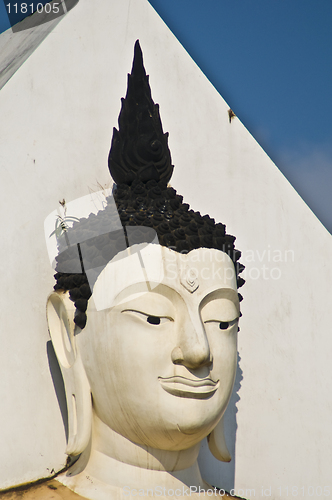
(218,294)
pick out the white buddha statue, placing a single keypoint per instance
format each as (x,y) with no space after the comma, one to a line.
(159,362)
(145,331)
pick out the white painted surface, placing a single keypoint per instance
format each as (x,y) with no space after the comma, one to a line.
(16,47)
(54,145)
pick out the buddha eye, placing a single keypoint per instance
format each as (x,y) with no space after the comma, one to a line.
(223,325)
(149,318)
(153,320)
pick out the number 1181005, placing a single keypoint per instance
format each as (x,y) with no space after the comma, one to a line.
(30,8)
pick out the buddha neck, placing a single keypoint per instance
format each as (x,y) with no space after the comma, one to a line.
(114,462)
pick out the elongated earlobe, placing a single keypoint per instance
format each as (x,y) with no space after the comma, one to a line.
(60,315)
(217,443)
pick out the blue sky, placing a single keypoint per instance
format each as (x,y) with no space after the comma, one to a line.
(4,23)
(271,60)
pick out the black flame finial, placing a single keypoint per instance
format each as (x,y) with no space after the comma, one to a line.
(139,149)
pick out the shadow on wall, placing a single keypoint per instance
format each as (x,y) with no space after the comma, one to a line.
(222,474)
(58,384)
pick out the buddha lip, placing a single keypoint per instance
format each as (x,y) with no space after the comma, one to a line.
(188,381)
(189,388)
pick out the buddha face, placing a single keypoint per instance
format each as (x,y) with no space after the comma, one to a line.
(160,345)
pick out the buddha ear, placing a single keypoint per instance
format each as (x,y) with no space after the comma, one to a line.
(60,317)
(217,443)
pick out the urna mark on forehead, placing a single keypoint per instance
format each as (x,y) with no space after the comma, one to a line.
(142,268)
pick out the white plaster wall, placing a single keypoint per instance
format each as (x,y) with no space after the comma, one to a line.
(59,110)
(15,48)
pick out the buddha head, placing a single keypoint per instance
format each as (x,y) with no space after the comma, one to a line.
(144,316)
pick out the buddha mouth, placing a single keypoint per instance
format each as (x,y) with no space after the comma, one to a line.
(188,388)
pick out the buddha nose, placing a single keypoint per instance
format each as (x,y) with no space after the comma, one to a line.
(193,350)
